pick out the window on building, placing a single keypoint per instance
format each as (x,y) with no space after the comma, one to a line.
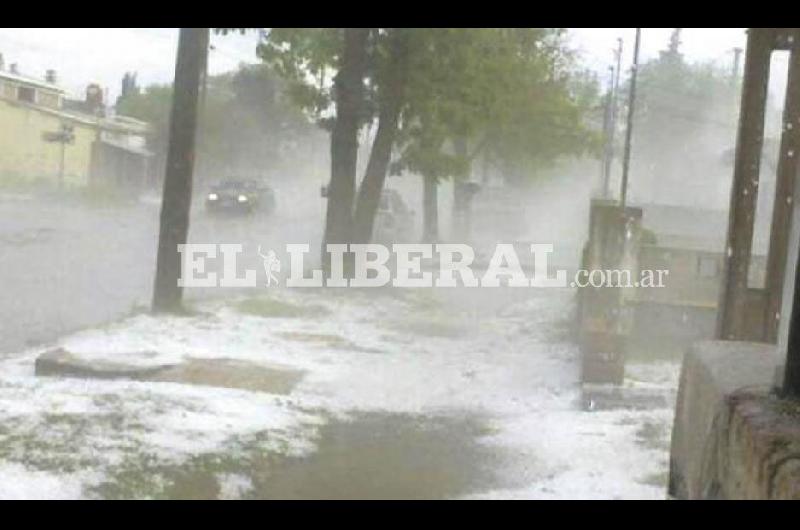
(27,94)
(707,267)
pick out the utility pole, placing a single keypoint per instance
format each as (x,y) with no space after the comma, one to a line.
(626,161)
(605,165)
(177,195)
(737,58)
(619,68)
(612,126)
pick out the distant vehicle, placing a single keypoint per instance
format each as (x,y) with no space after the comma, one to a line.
(240,196)
(394,220)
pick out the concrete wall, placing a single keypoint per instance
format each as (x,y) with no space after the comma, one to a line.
(670,319)
(26,157)
(733,438)
(114,166)
(693,279)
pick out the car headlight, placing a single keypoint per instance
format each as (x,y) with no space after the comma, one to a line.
(212,197)
(242,198)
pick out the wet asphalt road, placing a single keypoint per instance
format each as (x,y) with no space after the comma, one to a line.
(67,265)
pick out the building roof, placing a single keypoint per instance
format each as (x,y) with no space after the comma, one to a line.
(4,74)
(114,123)
(126,123)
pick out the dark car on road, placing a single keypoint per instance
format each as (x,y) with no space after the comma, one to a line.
(241,196)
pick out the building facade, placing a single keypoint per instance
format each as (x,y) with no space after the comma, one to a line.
(48,139)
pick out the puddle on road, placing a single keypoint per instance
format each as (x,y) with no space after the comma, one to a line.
(230,373)
(387,456)
(371,456)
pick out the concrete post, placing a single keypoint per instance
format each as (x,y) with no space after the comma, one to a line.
(731,320)
(784,199)
(605,313)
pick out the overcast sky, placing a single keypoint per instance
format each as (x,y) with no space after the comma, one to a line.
(103,55)
(698,44)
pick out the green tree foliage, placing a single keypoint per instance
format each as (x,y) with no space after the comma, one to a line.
(247,124)
(153,106)
(306,58)
(686,117)
(515,92)
(512,94)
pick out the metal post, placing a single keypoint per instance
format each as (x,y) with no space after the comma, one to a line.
(784,198)
(731,317)
(790,151)
(626,161)
(737,59)
(791,375)
(605,168)
(612,127)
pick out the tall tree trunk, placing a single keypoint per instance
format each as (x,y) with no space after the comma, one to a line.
(349,96)
(430,210)
(461,194)
(391,103)
(177,194)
